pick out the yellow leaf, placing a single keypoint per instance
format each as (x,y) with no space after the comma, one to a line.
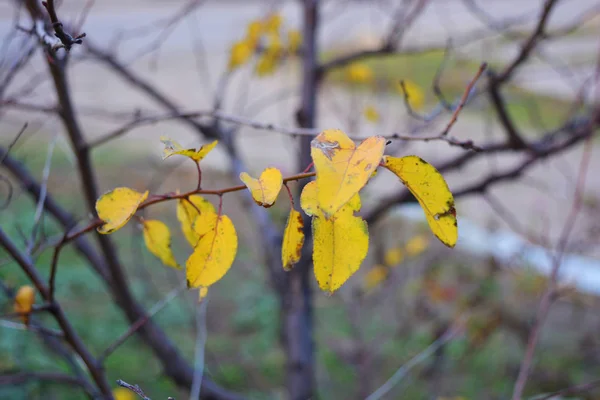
(116,207)
(294,41)
(266,188)
(416,245)
(205,223)
(342,168)
(293,240)
(273,23)
(24,300)
(274,46)
(172,147)
(158,241)
(359,73)
(371,114)
(241,51)
(122,393)
(202,293)
(393,257)
(213,254)
(430,189)
(253,32)
(188,210)
(375,276)
(267,64)
(341,242)
(416,97)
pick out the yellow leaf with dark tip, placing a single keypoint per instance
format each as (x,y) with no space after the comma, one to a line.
(371,114)
(158,241)
(188,210)
(173,147)
(342,167)
(202,293)
(293,240)
(213,255)
(24,300)
(375,277)
(116,207)
(266,188)
(341,242)
(431,191)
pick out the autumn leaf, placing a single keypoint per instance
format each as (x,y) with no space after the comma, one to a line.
(359,73)
(341,242)
(266,65)
(273,23)
(371,114)
(254,31)
(116,207)
(122,393)
(158,241)
(375,276)
(172,147)
(293,240)
(342,168)
(393,257)
(431,191)
(188,210)
(213,255)
(241,51)
(416,245)
(416,97)
(24,300)
(266,188)
(294,41)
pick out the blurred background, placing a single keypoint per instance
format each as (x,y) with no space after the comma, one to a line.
(526,207)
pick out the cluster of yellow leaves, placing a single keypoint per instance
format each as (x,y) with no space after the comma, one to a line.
(268,32)
(23,303)
(341,238)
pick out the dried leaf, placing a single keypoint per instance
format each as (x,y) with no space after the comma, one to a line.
(293,240)
(359,73)
(116,207)
(341,242)
(172,147)
(158,241)
(393,257)
(24,300)
(240,53)
(342,168)
(371,114)
(266,188)
(430,189)
(213,255)
(187,211)
(375,277)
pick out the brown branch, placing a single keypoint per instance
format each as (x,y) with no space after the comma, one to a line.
(20,378)
(66,39)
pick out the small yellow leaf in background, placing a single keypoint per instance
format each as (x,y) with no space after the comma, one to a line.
(254,31)
(416,245)
(359,73)
(342,168)
(213,255)
(24,300)
(375,276)
(202,293)
(371,114)
(158,241)
(188,210)
(294,41)
(240,53)
(293,240)
(116,207)
(122,393)
(341,242)
(393,257)
(273,23)
(430,189)
(266,188)
(416,97)
(172,147)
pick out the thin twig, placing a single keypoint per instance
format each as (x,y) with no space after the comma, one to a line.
(134,388)
(200,346)
(585,387)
